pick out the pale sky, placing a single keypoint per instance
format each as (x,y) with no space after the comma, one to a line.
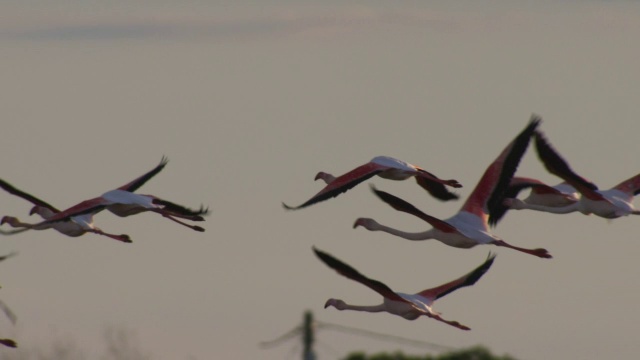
(249,102)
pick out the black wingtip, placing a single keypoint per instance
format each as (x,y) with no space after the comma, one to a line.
(287,207)
(9,343)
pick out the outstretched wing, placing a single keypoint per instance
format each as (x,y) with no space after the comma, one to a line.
(466,280)
(630,186)
(401,205)
(517,184)
(7,311)
(353,274)
(91,206)
(489,192)
(9,255)
(342,183)
(137,183)
(555,164)
(30,198)
(436,189)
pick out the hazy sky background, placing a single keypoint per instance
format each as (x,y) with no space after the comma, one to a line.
(249,102)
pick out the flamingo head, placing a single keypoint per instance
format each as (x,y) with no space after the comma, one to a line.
(366,223)
(8,220)
(338,304)
(326,177)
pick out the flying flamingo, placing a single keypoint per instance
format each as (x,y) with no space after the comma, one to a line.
(559,195)
(408,306)
(72,226)
(470,226)
(609,204)
(385,167)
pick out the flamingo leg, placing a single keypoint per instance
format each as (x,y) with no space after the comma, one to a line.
(174,215)
(452,323)
(171,217)
(124,238)
(542,253)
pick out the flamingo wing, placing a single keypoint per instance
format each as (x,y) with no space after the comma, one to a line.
(8,313)
(9,255)
(9,343)
(516,185)
(343,183)
(91,206)
(490,190)
(138,182)
(436,189)
(556,165)
(30,198)
(630,186)
(401,205)
(353,274)
(466,280)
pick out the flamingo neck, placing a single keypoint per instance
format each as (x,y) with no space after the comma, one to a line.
(366,308)
(413,236)
(551,209)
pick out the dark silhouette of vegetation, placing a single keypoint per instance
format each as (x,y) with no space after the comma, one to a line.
(473,353)
(120,344)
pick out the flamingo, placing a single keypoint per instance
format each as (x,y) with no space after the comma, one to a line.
(470,226)
(72,226)
(610,204)
(408,306)
(559,195)
(385,167)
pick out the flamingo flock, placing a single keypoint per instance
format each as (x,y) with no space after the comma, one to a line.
(77,220)
(495,193)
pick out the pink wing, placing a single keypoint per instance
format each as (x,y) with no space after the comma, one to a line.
(138,182)
(466,280)
(556,165)
(490,190)
(353,274)
(343,183)
(91,206)
(401,205)
(630,186)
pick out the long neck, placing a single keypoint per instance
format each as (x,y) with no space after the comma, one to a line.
(370,308)
(413,236)
(552,209)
